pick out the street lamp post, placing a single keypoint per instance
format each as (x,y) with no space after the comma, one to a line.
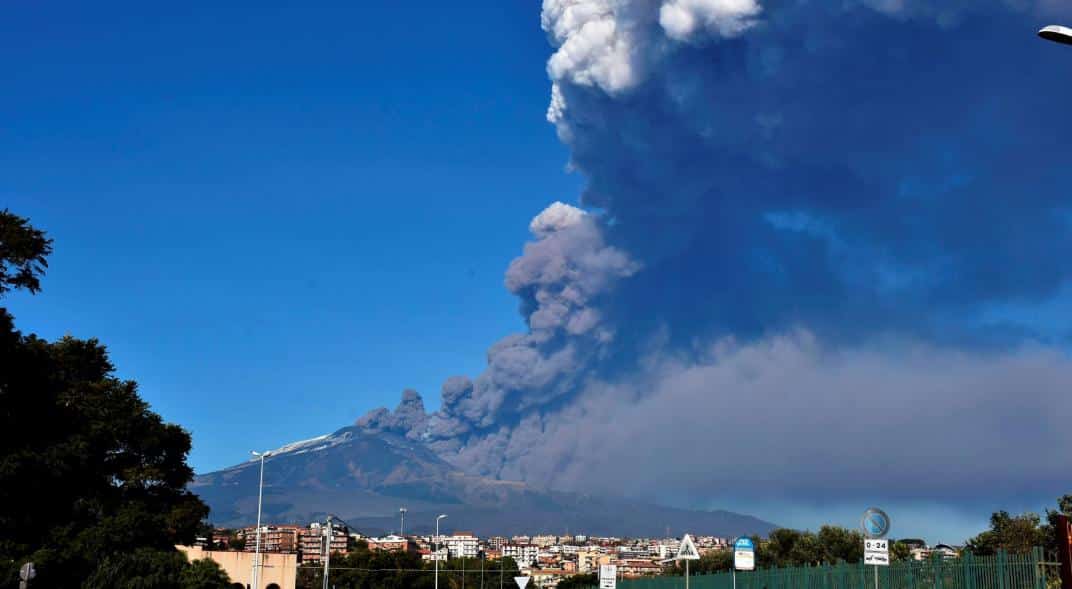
(436,549)
(1057,34)
(260,498)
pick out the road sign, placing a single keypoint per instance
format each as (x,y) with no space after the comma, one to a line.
(687,550)
(875,523)
(521,582)
(27,572)
(744,555)
(877,551)
(608,576)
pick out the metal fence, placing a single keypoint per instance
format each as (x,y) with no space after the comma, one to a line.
(1000,571)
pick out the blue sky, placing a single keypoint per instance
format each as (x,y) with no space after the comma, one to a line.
(275,218)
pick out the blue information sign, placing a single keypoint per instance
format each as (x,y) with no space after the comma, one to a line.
(744,544)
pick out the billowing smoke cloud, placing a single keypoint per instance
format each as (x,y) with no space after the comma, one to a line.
(818,224)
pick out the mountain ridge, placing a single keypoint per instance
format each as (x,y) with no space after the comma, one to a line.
(359,474)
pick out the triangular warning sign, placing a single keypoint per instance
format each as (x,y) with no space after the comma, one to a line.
(521,582)
(687,550)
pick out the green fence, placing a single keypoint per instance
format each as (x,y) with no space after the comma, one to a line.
(1001,571)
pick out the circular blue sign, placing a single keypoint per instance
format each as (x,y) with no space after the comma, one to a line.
(875,523)
(743,544)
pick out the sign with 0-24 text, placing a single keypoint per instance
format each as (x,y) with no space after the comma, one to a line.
(877,551)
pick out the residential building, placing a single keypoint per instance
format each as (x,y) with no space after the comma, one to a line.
(392,543)
(547,578)
(523,554)
(311,541)
(638,567)
(588,561)
(273,538)
(943,551)
(497,542)
(461,545)
(544,541)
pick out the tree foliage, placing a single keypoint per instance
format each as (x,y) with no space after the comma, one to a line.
(1016,534)
(579,581)
(23,254)
(89,475)
(204,574)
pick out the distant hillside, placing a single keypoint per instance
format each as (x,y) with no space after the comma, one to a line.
(365,477)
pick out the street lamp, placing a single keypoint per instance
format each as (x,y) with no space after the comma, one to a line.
(436,545)
(1057,34)
(260,497)
(402,526)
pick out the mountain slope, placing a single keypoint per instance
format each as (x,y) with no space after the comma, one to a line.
(365,477)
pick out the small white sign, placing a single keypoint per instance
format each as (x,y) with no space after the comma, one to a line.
(608,576)
(744,554)
(744,560)
(877,551)
(687,550)
(522,582)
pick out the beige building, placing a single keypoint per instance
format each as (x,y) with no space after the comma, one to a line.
(278,571)
(588,561)
(311,542)
(273,538)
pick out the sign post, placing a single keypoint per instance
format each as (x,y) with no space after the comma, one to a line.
(686,552)
(26,574)
(608,576)
(1064,549)
(744,557)
(875,525)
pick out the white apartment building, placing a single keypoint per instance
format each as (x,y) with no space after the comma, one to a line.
(461,545)
(524,554)
(633,552)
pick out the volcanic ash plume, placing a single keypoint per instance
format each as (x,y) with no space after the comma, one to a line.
(812,222)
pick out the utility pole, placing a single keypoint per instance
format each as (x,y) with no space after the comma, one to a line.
(260,497)
(435,549)
(327,550)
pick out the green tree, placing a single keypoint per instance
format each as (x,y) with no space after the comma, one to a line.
(1015,534)
(579,581)
(713,561)
(1049,531)
(840,545)
(143,568)
(900,551)
(779,549)
(89,475)
(156,569)
(23,254)
(787,547)
(204,574)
